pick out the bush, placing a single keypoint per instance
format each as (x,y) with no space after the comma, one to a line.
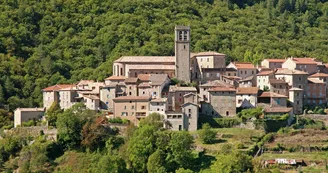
(220,122)
(206,134)
(240,146)
(119,121)
(268,137)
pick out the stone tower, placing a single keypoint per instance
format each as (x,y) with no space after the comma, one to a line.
(296,98)
(182,53)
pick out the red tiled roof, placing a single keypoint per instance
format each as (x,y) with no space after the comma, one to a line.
(247,90)
(314,80)
(132,98)
(116,78)
(271,94)
(276,81)
(144,77)
(309,61)
(276,60)
(221,89)
(58,87)
(244,65)
(264,73)
(131,80)
(318,75)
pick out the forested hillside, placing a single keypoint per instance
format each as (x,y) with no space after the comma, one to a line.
(46,42)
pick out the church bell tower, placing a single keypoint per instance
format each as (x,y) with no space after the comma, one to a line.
(182,53)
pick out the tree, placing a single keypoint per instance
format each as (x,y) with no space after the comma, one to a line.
(140,147)
(235,162)
(206,134)
(153,119)
(69,125)
(96,132)
(181,170)
(52,113)
(156,162)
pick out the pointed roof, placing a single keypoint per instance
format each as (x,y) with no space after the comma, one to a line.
(247,90)
(305,61)
(58,87)
(271,95)
(318,75)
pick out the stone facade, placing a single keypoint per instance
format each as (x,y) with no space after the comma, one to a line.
(222,101)
(182,53)
(25,114)
(296,98)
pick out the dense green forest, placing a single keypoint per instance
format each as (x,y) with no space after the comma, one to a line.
(46,42)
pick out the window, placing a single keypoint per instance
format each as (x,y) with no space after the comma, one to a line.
(298,102)
(189,115)
(143,107)
(245,72)
(143,92)
(157,103)
(180,35)
(180,127)
(189,110)
(252,72)
(130,93)
(227,113)
(297,94)
(132,107)
(241,72)
(124,107)
(208,60)
(124,114)
(108,96)
(299,78)
(157,109)
(185,36)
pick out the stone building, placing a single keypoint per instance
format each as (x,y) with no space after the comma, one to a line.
(132,108)
(247,82)
(190,113)
(246,97)
(294,78)
(296,99)
(158,105)
(203,89)
(279,86)
(316,92)
(132,86)
(182,53)
(263,79)
(152,84)
(271,99)
(207,66)
(222,102)
(26,114)
(309,65)
(272,63)
(176,96)
(244,69)
(51,94)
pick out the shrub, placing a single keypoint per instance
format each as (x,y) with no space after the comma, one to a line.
(220,122)
(206,134)
(119,121)
(268,137)
(240,146)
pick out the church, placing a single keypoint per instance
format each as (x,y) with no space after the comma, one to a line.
(185,66)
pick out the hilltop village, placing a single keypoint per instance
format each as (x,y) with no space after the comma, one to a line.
(189,86)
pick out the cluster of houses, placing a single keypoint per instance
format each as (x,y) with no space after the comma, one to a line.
(141,85)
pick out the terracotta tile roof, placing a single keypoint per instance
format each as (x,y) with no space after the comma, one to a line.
(309,61)
(216,83)
(208,54)
(277,81)
(221,89)
(58,87)
(271,94)
(277,110)
(116,78)
(295,89)
(152,67)
(318,75)
(176,88)
(264,73)
(247,79)
(247,90)
(145,59)
(314,80)
(144,77)
(144,85)
(231,77)
(289,72)
(85,82)
(132,98)
(92,97)
(276,60)
(244,65)
(131,80)
(158,79)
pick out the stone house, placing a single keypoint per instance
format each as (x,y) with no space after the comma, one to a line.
(246,97)
(294,78)
(91,102)
(176,120)
(230,72)
(316,92)
(51,94)
(68,97)
(247,82)
(271,99)
(203,89)
(132,108)
(109,92)
(309,65)
(296,99)
(114,80)
(158,105)
(222,102)
(272,63)
(132,86)
(152,84)
(175,96)
(190,113)
(244,69)
(26,114)
(279,86)
(207,66)
(263,79)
